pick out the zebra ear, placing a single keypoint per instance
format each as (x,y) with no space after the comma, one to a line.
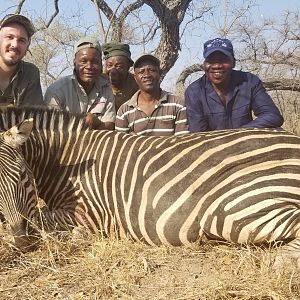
(18,134)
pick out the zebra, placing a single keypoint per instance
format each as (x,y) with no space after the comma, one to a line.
(17,184)
(240,185)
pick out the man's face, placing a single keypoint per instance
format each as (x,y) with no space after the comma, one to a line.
(147,76)
(88,65)
(218,67)
(117,69)
(14,43)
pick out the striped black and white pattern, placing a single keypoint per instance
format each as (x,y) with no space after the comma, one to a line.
(18,194)
(236,185)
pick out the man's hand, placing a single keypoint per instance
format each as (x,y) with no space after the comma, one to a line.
(94,123)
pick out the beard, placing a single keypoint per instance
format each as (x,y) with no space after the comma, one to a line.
(10,60)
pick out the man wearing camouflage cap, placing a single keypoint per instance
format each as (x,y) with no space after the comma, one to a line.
(19,80)
(87,90)
(118,62)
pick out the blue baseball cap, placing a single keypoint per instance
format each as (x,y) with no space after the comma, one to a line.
(218,44)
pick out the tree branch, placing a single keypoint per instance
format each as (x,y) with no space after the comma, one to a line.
(19,7)
(282,84)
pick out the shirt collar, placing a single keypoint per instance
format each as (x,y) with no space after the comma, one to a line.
(101,83)
(19,70)
(133,101)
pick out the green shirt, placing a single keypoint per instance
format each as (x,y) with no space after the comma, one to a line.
(121,96)
(24,88)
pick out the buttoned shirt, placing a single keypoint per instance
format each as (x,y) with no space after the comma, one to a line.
(168,117)
(67,94)
(24,88)
(247,95)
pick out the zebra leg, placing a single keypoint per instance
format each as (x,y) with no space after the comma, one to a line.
(66,217)
(289,253)
(58,219)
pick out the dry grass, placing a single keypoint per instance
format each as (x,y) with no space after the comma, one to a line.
(91,267)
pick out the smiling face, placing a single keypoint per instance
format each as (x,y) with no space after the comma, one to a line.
(218,68)
(147,76)
(88,66)
(14,43)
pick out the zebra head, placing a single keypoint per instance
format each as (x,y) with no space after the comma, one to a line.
(18,195)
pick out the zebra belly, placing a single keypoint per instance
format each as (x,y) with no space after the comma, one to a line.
(270,220)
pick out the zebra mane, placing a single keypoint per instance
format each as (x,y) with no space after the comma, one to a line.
(43,118)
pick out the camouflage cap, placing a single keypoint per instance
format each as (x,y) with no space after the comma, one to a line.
(19,19)
(117,49)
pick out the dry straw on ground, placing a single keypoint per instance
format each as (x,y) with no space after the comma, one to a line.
(92,267)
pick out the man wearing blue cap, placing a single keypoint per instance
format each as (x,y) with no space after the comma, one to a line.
(224,98)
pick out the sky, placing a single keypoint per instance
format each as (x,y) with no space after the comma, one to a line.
(192,46)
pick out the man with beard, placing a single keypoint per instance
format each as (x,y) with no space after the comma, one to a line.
(19,80)
(118,62)
(224,98)
(151,111)
(87,90)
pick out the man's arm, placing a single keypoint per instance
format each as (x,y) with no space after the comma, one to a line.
(107,120)
(95,123)
(181,125)
(266,112)
(122,124)
(52,100)
(197,121)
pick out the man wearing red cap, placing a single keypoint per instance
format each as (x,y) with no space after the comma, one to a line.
(19,80)
(224,98)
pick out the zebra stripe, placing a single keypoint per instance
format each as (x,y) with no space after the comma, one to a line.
(18,196)
(237,185)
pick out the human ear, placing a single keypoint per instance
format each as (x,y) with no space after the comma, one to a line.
(233,63)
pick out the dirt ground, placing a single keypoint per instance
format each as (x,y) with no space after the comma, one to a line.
(91,267)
